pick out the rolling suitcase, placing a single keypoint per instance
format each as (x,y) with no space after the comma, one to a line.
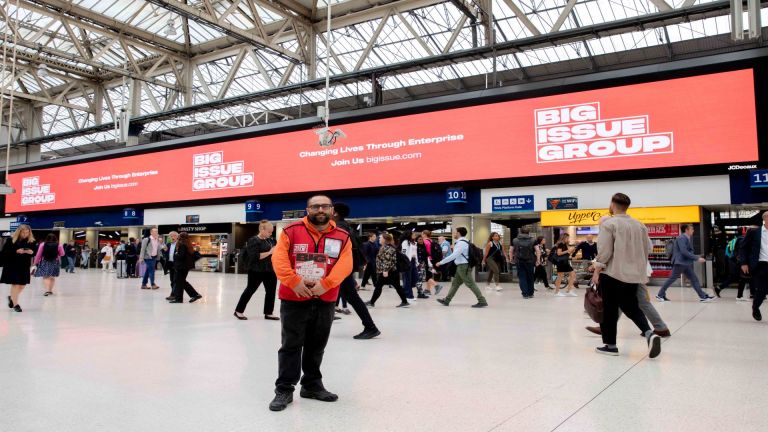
(122,266)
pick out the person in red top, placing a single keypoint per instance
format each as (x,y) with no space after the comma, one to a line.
(311,259)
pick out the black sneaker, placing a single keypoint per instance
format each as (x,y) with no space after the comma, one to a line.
(706,299)
(607,351)
(717,291)
(480,305)
(755,314)
(281,401)
(443,302)
(654,346)
(422,296)
(17,308)
(404,305)
(321,395)
(336,317)
(367,334)
(369,304)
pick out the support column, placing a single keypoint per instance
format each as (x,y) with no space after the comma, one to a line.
(481,230)
(92,237)
(98,104)
(134,232)
(279,226)
(461,221)
(65,235)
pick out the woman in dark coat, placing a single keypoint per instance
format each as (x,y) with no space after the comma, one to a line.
(17,256)
(184,260)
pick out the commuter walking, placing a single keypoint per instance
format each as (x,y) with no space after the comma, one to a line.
(434,253)
(588,249)
(460,257)
(85,256)
(18,252)
(348,288)
(445,249)
(131,256)
(409,248)
(621,266)
(106,257)
(386,267)
(170,263)
(370,251)
(257,256)
(494,258)
(540,272)
(525,258)
(184,260)
(70,252)
(48,262)
(754,261)
(563,266)
(120,263)
(682,263)
(732,252)
(309,286)
(151,248)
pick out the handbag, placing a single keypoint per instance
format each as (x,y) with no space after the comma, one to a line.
(593,303)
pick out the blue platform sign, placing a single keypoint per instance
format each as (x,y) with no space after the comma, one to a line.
(253,206)
(758,178)
(456,195)
(130,213)
(520,203)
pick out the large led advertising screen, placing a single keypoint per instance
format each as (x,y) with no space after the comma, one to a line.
(700,120)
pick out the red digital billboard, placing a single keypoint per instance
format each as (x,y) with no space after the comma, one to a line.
(707,119)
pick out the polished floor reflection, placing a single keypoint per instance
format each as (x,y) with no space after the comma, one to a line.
(103,355)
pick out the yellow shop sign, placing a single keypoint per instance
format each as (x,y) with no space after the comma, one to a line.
(646,215)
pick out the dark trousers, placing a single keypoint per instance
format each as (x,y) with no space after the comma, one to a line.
(131,264)
(169,265)
(410,278)
(525,271)
(349,293)
(540,273)
(760,282)
(306,326)
(369,273)
(619,295)
(392,279)
(254,280)
(182,285)
(735,274)
(686,270)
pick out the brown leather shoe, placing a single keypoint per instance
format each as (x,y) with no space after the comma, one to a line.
(663,333)
(595,330)
(155,287)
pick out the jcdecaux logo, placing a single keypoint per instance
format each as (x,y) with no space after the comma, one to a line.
(578,132)
(211,172)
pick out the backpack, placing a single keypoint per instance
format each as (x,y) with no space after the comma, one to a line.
(130,251)
(475,254)
(436,252)
(524,249)
(403,263)
(554,258)
(730,248)
(669,249)
(50,251)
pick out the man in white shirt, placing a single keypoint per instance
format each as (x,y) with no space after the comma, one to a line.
(753,258)
(169,262)
(151,248)
(460,257)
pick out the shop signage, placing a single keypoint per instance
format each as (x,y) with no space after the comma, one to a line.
(564,203)
(666,230)
(646,215)
(662,124)
(214,228)
(520,203)
(758,178)
(293,214)
(456,195)
(59,224)
(192,219)
(15,225)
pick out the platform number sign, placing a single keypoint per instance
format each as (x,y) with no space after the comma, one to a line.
(456,196)
(758,178)
(130,213)
(253,207)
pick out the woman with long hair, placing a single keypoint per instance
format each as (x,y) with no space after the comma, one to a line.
(563,252)
(48,262)
(540,272)
(386,267)
(183,261)
(409,248)
(17,253)
(494,258)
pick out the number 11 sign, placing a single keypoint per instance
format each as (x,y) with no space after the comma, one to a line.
(758,178)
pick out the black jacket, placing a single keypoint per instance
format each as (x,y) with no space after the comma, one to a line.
(749,253)
(184,257)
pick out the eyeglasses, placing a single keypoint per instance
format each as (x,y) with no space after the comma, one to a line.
(316,207)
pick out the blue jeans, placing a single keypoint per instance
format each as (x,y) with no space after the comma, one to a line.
(687,270)
(149,273)
(410,278)
(525,274)
(71,264)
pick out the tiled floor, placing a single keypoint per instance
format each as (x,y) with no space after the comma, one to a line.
(102,355)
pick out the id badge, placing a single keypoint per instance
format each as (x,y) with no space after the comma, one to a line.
(332,248)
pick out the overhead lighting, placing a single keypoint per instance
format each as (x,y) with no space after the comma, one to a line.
(170,30)
(42,70)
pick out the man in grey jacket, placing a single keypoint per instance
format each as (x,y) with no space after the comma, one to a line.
(682,263)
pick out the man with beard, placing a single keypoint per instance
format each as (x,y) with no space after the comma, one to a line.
(311,259)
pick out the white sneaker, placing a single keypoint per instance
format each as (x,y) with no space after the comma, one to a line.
(560,294)
(487,287)
(498,288)
(571,294)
